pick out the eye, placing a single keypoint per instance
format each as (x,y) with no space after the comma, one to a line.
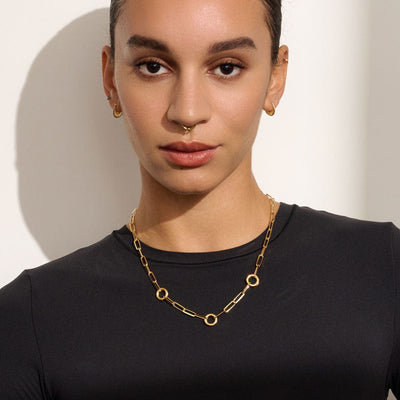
(228,70)
(151,68)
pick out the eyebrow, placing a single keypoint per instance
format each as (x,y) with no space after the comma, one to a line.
(143,41)
(238,43)
(154,44)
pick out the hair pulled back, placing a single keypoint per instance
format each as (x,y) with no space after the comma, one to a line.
(273,20)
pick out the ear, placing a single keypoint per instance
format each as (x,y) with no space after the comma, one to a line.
(277,81)
(108,76)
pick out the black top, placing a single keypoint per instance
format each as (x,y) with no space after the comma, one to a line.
(324,322)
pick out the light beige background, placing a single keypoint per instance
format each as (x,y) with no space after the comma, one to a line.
(68,175)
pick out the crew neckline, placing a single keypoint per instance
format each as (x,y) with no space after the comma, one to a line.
(170,257)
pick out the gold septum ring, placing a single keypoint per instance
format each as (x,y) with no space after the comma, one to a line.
(187,129)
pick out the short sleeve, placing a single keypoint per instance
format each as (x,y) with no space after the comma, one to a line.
(394,369)
(21,377)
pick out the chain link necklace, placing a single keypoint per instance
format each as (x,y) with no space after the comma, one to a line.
(252,280)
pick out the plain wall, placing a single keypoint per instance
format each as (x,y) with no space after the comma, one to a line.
(67,170)
(383,134)
(313,151)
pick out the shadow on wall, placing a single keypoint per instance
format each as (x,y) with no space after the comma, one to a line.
(78,174)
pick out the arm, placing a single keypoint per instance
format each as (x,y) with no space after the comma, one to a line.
(394,371)
(21,374)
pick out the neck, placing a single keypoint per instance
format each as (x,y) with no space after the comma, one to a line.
(232,214)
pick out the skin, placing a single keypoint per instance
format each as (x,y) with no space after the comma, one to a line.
(223,92)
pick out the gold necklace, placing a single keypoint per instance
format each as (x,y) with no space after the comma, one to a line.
(252,280)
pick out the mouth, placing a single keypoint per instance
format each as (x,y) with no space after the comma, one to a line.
(188,154)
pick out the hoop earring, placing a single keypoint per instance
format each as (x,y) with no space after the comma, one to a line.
(116,113)
(271,113)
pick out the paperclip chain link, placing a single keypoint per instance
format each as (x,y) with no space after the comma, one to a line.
(162,294)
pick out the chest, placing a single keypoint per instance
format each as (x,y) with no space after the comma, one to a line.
(287,338)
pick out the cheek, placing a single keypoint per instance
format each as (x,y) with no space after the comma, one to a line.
(141,107)
(142,113)
(242,109)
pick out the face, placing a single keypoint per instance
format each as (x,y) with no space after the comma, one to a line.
(196,63)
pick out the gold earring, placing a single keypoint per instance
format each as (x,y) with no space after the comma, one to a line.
(116,113)
(271,113)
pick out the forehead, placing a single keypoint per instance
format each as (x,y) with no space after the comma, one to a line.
(193,21)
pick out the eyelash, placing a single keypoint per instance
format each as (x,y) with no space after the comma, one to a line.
(234,64)
(147,75)
(148,62)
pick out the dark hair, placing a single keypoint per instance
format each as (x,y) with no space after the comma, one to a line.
(115,12)
(273,19)
(274,23)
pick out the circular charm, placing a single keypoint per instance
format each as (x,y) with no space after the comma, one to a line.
(211,319)
(162,294)
(253,280)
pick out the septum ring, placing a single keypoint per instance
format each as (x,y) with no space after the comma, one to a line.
(188,129)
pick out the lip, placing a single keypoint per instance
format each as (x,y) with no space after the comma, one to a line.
(188,154)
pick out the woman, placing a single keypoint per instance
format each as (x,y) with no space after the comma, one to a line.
(213,290)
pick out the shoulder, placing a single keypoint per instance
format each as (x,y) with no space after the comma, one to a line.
(346,240)
(83,268)
(106,253)
(327,224)
(40,300)
(327,219)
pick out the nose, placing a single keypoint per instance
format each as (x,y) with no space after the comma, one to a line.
(189,104)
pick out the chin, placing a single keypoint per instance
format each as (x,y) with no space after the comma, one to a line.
(190,185)
(190,189)
(188,182)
